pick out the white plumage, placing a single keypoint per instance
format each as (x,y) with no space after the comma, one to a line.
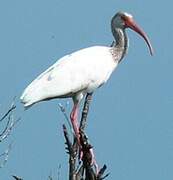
(83,71)
(72,76)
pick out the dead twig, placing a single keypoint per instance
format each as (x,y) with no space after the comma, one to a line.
(71,150)
(10,122)
(8,128)
(5,156)
(100,175)
(8,112)
(16,177)
(63,110)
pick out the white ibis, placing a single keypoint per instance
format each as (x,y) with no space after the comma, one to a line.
(83,71)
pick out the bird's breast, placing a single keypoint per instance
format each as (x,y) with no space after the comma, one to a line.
(99,69)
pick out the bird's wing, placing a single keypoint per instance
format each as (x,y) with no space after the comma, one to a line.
(61,79)
(67,77)
(83,69)
(50,69)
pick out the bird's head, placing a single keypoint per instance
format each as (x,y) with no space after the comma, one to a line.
(124,20)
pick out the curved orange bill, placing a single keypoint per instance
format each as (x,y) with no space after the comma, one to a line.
(131,24)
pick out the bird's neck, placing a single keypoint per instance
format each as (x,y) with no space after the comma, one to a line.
(120,46)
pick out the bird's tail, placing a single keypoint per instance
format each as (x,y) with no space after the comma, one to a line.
(30,97)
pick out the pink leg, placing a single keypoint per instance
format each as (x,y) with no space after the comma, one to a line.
(74,121)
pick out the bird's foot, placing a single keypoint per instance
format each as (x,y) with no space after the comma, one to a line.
(90,158)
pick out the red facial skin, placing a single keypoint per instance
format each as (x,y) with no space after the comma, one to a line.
(130,23)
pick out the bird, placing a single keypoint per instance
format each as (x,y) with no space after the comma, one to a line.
(85,70)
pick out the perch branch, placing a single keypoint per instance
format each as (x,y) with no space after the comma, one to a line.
(72,154)
(86,170)
(87,157)
(90,172)
(85,111)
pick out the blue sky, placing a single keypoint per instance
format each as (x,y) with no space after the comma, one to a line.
(130,120)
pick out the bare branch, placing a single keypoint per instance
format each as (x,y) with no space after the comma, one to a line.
(87,170)
(8,112)
(72,155)
(85,111)
(90,173)
(59,168)
(10,121)
(16,177)
(50,177)
(5,156)
(9,126)
(101,173)
(63,110)
(80,172)
(67,138)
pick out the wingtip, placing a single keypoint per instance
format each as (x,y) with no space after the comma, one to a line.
(26,104)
